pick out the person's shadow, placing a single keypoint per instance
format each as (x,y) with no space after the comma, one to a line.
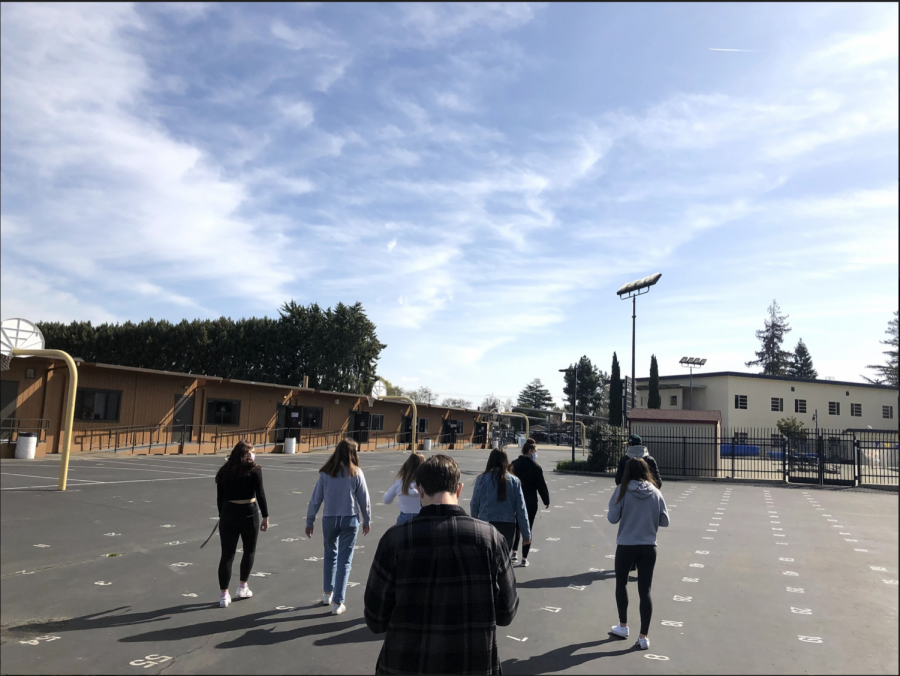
(581,579)
(563,658)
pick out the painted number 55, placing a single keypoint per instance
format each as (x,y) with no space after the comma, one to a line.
(150,661)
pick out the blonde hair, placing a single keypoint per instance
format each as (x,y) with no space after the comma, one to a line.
(408,472)
(346,453)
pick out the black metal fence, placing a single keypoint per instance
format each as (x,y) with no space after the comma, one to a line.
(837,457)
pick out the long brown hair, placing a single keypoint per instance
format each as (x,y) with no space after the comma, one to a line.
(636,469)
(409,469)
(346,453)
(238,462)
(498,467)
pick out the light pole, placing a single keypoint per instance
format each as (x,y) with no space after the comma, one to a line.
(574,399)
(691,362)
(633,290)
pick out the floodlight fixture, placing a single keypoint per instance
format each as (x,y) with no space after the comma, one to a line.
(639,287)
(692,363)
(633,290)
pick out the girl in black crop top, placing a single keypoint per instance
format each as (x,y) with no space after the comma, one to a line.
(239,488)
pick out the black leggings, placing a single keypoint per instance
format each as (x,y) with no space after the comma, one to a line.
(645,557)
(507,530)
(237,522)
(532,513)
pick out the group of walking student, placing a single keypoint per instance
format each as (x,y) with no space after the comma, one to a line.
(441,580)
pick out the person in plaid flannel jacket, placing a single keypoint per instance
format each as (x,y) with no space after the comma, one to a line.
(440,584)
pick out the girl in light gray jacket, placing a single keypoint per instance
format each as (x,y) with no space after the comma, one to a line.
(640,510)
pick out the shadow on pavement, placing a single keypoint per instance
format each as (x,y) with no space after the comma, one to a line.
(582,579)
(268,636)
(360,635)
(562,658)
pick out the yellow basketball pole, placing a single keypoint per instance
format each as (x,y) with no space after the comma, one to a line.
(521,415)
(68,421)
(415,418)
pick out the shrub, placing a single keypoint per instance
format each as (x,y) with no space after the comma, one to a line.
(606,444)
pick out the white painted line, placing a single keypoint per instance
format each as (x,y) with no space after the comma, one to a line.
(517,639)
(46,478)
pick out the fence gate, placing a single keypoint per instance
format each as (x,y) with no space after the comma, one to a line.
(824,458)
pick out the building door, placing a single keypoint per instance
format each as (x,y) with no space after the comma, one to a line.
(406,435)
(293,421)
(182,418)
(9,393)
(450,431)
(361,425)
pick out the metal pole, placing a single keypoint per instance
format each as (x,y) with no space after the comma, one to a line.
(633,318)
(574,399)
(692,389)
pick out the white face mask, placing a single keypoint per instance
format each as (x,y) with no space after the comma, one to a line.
(252,456)
(534,456)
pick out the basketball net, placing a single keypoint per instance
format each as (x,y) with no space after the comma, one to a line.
(5,360)
(371,400)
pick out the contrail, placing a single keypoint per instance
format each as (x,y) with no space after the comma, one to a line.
(716,49)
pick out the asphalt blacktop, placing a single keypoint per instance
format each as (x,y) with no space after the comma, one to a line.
(761,578)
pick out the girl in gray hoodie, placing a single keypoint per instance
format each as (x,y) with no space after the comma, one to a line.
(639,509)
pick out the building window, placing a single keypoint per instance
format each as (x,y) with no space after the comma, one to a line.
(423,426)
(777,404)
(856,410)
(834,408)
(312,417)
(93,404)
(376,422)
(887,411)
(740,401)
(223,412)
(459,426)
(30,374)
(799,405)
(740,437)
(673,400)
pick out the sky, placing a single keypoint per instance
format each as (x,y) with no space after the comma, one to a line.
(482,178)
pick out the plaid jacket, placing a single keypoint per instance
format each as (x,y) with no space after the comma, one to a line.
(439,586)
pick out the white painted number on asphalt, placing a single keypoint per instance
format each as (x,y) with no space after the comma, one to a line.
(810,639)
(700,552)
(552,539)
(284,607)
(167,525)
(784,559)
(150,661)
(690,579)
(795,590)
(291,540)
(698,565)
(181,564)
(41,545)
(517,639)
(890,581)
(672,623)
(662,658)
(103,584)
(40,639)
(260,574)
(551,609)
(801,611)
(791,573)
(314,558)
(112,534)
(686,599)
(577,587)
(176,542)
(191,595)
(879,569)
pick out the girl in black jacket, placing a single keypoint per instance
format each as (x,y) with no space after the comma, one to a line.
(532,477)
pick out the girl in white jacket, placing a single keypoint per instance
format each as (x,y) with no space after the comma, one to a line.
(405,486)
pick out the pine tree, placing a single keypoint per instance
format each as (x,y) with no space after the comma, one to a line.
(615,393)
(654,400)
(802,365)
(773,360)
(591,387)
(535,395)
(889,373)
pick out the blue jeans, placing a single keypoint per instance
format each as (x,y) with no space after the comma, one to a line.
(404,517)
(339,533)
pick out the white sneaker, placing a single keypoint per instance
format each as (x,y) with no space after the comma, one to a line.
(225,601)
(326,598)
(642,644)
(619,631)
(524,563)
(244,593)
(337,608)
(514,556)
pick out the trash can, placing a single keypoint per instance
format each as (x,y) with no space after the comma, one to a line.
(426,445)
(521,441)
(495,443)
(290,445)
(26,443)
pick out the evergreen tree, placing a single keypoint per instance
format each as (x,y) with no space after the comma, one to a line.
(773,360)
(802,365)
(615,394)
(653,399)
(535,395)
(889,373)
(591,387)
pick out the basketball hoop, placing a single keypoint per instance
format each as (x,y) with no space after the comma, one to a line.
(19,334)
(371,400)
(379,390)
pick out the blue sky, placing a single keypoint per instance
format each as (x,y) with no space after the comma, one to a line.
(483,178)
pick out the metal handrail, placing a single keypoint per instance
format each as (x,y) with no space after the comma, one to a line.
(11,428)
